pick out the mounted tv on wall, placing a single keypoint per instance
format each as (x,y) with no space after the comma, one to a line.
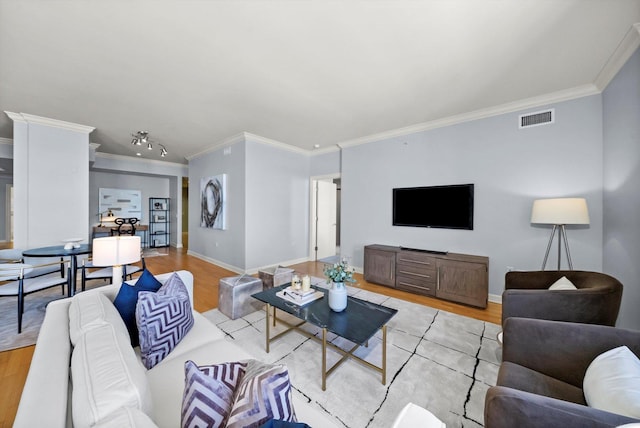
(449,207)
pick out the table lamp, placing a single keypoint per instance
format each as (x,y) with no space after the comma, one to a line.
(116,251)
(559,212)
(108,218)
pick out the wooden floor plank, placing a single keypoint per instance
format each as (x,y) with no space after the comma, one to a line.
(14,365)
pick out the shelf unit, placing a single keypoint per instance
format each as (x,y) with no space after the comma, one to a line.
(159,222)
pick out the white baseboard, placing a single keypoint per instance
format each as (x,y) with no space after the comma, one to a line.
(253,271)
(495,298)
(216,262)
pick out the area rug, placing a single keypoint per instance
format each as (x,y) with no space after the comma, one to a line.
(441,361)
(35,305)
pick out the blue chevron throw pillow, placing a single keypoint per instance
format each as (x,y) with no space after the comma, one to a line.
(163,319)
(264,393)
(208,393)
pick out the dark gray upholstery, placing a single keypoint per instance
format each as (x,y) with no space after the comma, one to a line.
(540,379)
(596,301)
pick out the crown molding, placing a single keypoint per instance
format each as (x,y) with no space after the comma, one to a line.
(619,57)
(55,123)
(94,146)
(555,97)
(325,150)
(274,143)
(137,159)
(217,146)
(244,136)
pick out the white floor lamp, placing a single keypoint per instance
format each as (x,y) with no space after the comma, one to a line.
(559,212)
(116,251)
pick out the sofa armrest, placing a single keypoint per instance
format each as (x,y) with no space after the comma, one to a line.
(44,397)
(562,350)
(592,306)
(507,408)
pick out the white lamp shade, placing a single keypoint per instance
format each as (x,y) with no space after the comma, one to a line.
(560,211)
(116,250)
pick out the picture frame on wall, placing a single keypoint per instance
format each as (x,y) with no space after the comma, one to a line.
(213,202)
(124,203)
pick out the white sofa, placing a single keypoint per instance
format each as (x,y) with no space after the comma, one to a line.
(67,383)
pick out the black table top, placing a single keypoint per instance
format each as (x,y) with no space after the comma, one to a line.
(357,323)
(57,250)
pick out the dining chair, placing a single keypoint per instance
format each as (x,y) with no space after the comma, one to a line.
(14,255)
(90,272)
(18,284)
(126,226)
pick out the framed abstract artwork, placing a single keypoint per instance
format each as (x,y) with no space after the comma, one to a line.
(213,201)
(121,202)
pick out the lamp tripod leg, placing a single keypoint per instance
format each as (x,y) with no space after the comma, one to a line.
(563,232)
(546,255)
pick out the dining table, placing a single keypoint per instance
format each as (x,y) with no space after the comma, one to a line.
(61,251)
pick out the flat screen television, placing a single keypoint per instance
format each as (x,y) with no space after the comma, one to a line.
(449,207)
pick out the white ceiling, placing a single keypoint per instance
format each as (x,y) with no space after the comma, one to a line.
(194,73)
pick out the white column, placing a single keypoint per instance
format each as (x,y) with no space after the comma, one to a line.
(51,180)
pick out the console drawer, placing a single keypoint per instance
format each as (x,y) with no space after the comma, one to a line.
(415,258)
(419,271)
(416,284)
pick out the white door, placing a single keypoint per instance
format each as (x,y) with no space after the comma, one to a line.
(325,219)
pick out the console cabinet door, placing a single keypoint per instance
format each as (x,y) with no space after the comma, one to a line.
(380,267)
(463,282)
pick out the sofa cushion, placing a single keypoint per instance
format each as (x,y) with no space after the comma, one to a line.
(263,393)
(163,319)
(563,284)
(90,309)
(163,378)
(125,301)
(208,393)
(127,417)
(612,382)
(106,376)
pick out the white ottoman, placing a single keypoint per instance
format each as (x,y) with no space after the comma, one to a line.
(234,296)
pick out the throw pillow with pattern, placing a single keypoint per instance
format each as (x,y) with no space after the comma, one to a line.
(264,393)
(208,393)
(163,319)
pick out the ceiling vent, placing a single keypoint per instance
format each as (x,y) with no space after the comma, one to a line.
(537,118)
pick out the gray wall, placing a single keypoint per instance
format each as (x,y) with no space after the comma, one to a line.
(277,205)
(267,206)
(509,167)
(223,247)
(325,163)
(149,186)
(621,101)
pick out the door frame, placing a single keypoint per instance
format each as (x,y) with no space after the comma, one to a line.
(312,222)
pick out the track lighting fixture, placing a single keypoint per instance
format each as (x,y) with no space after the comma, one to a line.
(142,137)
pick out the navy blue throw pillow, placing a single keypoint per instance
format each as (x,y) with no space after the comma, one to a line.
(127,298)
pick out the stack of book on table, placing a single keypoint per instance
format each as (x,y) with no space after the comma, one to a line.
(298,296)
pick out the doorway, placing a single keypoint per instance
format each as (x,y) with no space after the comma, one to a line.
(185,213)
(325,217)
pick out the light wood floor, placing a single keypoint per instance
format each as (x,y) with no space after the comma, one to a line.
(14,365)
